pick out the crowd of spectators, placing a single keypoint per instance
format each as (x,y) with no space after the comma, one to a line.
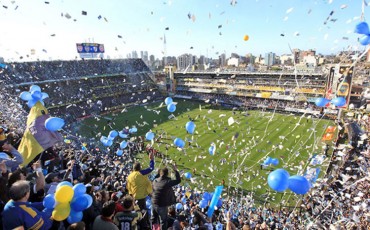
(121,187)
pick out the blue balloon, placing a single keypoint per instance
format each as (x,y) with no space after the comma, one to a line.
(278,180)
(108,143)
(133,130)
(36,95)
(179,143)
(298,184)
(178,206)
(364,40)
(44,95)
(79,203)
(183,200)
(190,127)
(54,123)
(25,96)
(207,196)
(113,133)
(203,203)
(122,135)
(79,189)
(274,161)
(171,108)
(362,28)
(89,200)
(149,136)
(123,144)
(4,156)
(339,101)
(148,204)
(49,201)
(168,100)
(31,103)
(321,101)
(103,138)
(119,152)
(64,183)
(74,217)
(267,161)
(212,150)
(35,88)
(187,175)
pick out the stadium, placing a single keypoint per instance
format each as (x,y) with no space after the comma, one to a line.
(241,119)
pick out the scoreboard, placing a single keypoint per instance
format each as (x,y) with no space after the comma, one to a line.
(90,50)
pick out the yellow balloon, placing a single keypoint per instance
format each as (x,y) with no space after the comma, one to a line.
(61,211)
(64,194)
(246,37)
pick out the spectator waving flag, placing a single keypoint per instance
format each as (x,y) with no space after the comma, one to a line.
(36,137)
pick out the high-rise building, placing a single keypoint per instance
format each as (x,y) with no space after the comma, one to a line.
(269,59)
(222,59)
(184,61)
(134,54)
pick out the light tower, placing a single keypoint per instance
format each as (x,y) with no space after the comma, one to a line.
(164,50)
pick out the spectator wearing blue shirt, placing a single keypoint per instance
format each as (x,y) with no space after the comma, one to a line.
(20,214)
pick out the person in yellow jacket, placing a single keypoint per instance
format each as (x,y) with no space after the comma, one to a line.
(139,187)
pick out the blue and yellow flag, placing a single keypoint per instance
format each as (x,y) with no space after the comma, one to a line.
(36,137)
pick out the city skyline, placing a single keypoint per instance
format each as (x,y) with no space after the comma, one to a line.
(51,29)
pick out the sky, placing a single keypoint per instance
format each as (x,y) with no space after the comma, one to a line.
(199,27)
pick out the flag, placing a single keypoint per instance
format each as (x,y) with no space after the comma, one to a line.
(36,137)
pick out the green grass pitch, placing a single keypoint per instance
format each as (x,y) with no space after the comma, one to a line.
(240,147)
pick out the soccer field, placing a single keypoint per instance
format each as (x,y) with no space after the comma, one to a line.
(241,147)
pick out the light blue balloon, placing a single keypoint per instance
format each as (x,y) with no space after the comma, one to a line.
(298,184)
(274,161)
(339,101)
(122,135)
(79,189)
(49,201)
(4,156)
(113,133)
(65,183)
(171,108)
(54,123)
(278,180)
(31,103)
(123,144)
(133,129)
(79,203)
(179,206)
(36,95)
(362,28)
(119,152)
(365,40)
(35,88)
(321,102)
(179,143)
(190,127)
(103,138)
(187,175)
(74,217)
(267,161)
(108,143)
(44,95)
(149,136)
(203,203)
(89,200)
(211,150)
(168,100)
(25,96)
